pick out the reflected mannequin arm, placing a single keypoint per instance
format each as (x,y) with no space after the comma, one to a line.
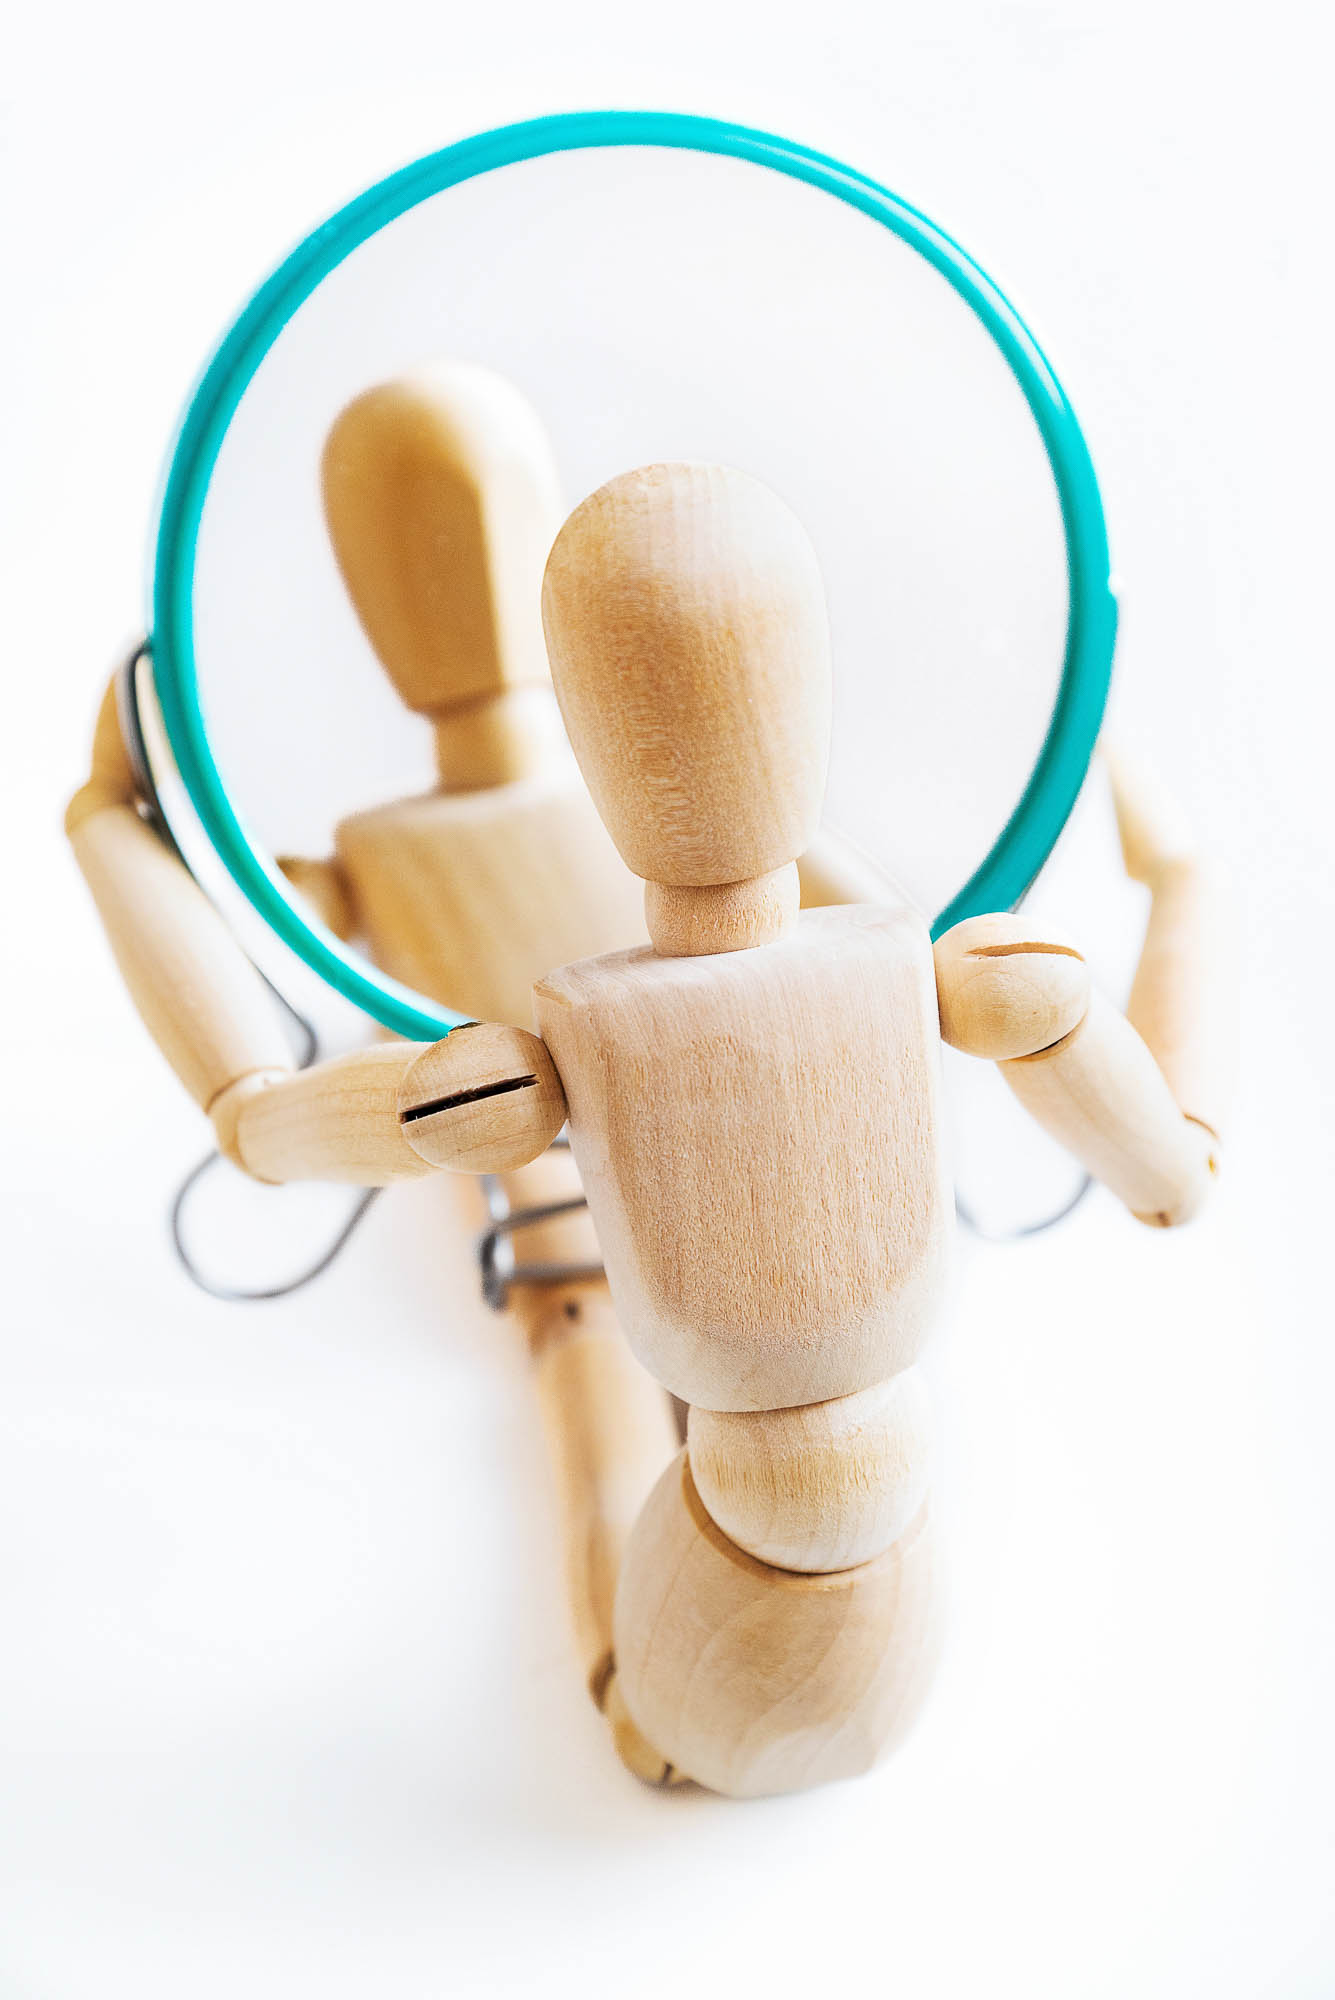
(835,870)
(325,886)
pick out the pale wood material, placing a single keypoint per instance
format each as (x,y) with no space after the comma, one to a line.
(199,996)
(498,738)
(610,1433)
(441,499)
(685,621)
(1092,1082)
(1154,831)
(1101,1094)
(820,1488)
(724,916)
(759,1137)
(639,1756)
(1004,992)
(325,886)
(470,897)
(441,503)
(485,1098)
(1184,998)
(471,893)
(338,1121)
(226,1108)
(569,1238)
(753,1102)
(610,1427)
(754,1680)
(111,780)
(834,869)
(753,1106)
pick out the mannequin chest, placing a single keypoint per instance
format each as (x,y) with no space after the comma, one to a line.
(759,1136)
(470,896)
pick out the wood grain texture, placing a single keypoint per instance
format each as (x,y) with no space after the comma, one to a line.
(199,996)
(485,1098)
(638,1755)
(753,1680)
(685,622)
(1101,1094)
(820,1488)
(725,916)
(470,897)
(610,1434)
(1184,999)
(1003,992)
(759,1138)
(337,1121)
(441,500)
(834,869)
(226,1108)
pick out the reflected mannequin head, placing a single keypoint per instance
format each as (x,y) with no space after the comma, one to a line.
(441,500)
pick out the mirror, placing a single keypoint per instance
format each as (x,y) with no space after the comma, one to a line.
(651,301)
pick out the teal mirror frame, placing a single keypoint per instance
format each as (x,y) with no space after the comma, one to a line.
(1029,834)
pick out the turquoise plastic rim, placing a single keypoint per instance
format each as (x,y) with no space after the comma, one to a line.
(1029,834)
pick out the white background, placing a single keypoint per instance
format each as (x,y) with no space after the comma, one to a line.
(286,1699)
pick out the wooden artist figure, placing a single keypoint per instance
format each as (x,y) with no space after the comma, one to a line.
(752,1099)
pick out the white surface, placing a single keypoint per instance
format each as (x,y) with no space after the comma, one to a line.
(287,1705)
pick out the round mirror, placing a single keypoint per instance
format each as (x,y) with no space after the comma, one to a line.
(632,287)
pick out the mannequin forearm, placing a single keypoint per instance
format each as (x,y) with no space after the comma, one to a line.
(1075,1063)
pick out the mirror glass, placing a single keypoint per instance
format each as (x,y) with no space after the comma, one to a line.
(655,303)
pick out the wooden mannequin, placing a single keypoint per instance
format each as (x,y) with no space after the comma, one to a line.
(752,1102)
(441,500)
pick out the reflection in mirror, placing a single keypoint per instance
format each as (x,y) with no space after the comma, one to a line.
(366,600)
(441,502)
